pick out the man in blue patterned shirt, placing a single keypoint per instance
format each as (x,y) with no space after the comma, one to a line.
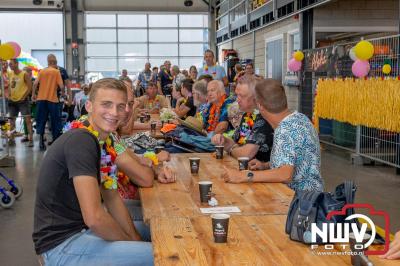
(295,157)
(146,76)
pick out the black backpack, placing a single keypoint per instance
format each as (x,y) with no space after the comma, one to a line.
(309,207)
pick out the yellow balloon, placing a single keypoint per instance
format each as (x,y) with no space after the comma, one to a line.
(364,50)
(298,56)
(6,51)
(386,69)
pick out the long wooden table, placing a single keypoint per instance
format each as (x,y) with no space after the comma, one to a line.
(252,240)
(183,199)
(182,235)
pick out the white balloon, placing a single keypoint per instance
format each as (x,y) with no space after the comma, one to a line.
(352,54)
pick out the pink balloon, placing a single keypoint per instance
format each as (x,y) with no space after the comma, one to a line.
(16,47)
(294,65)
(360,68)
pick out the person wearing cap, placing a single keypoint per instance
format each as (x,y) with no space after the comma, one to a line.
(253,137)
(295,156)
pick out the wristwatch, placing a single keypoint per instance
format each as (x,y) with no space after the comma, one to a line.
(250,177)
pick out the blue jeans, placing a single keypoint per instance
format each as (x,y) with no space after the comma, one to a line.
(44,108)
(85,248)
(135,211)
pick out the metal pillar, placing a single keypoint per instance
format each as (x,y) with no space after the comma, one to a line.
(74,39)
(306,41)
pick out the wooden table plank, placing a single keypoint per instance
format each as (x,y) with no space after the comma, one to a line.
(252,240)
(167,200)
(182,198)
(178,242)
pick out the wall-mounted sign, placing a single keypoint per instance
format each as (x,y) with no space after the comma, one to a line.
(319,60)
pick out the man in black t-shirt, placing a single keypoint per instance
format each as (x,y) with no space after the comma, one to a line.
(254,136)
(184,106)
(71,225)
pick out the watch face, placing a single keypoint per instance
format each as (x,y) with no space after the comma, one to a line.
(250,176)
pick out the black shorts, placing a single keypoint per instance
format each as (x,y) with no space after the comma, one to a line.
(22,106)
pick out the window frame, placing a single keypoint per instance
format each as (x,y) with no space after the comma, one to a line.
(147,56)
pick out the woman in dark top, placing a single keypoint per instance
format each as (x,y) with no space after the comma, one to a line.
(184,106)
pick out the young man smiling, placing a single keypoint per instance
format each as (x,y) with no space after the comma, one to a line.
(71,225)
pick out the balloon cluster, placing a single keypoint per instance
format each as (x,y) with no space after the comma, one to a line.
(294,63)
(360,54)
(9,50)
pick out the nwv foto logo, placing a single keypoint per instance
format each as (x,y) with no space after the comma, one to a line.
(340,232)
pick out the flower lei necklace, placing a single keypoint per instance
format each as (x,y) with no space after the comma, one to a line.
(150,77)
(206,69)
(215,111)
(246,127)
(185,100)
(168,75)
(153,102)
(108,169)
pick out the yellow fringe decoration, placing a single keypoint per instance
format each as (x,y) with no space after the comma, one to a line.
(373,103)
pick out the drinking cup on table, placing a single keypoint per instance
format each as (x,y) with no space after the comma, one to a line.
(205,191)
(169,98)
(219,152)
(194,165)
(153,126)
(220,225)
(243,163)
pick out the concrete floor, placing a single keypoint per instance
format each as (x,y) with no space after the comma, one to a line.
(377,185)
